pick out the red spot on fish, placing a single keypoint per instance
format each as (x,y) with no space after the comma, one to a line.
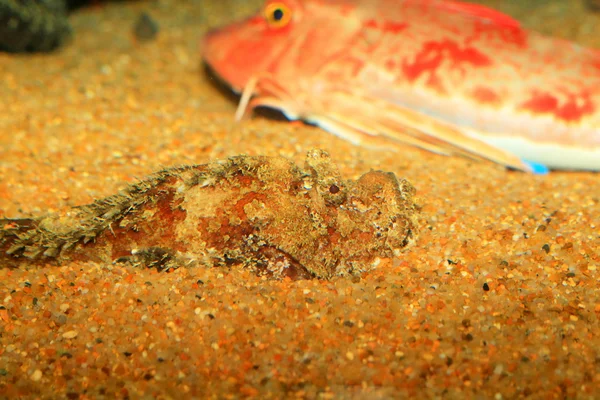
(431,56)
(596,63)
(385,26)
(347,10)
(371,23)
(394,27)
(512,36)
(573,109)
(485,95)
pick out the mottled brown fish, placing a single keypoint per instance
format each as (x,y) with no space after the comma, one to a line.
(265,213)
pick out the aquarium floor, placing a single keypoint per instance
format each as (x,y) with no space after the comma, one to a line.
(498,299)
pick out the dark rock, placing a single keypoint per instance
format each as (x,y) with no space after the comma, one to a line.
(146,28)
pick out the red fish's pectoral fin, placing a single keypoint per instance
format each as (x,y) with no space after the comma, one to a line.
(335,124)
(376,117)
(368,134)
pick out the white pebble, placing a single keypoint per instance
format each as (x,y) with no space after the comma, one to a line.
(36,376)
(70,334)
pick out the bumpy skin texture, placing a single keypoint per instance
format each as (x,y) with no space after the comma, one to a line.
(33,25)
(264,213)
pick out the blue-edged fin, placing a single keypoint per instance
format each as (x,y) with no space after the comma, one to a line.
(360,118)
(537,168)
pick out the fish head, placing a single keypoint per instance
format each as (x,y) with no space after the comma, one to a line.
(381,200)
(244,49)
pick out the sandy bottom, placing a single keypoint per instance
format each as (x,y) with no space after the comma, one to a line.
(499,299)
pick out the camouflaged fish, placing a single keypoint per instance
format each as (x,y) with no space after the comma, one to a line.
(264,213)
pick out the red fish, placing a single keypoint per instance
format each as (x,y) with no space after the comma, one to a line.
(446,76)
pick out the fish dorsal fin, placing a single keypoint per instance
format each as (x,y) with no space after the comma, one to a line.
(478,11)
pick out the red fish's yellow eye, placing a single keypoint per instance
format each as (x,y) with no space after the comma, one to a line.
(277,14)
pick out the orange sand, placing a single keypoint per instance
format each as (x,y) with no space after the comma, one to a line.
(498,299)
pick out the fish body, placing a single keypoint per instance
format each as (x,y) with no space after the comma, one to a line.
(446,76)
(264,213)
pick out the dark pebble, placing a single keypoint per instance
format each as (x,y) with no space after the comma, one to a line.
(145,28)
(61,319)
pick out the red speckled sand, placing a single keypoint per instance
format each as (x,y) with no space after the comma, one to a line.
(498,299)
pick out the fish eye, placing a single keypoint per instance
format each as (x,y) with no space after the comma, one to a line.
(277,14)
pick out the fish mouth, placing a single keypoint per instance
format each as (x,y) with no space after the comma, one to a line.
(214,55)
(234,94)
(219,82)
